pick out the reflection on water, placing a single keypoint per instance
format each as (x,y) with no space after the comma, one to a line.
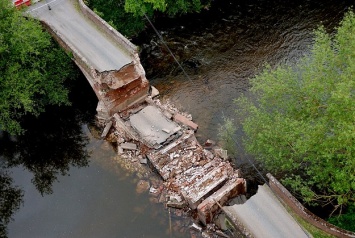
(69,181)
(10,200)
(51,144)
(95,201)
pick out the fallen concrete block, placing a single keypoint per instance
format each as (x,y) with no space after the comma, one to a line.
(196,227)
(209,207)
(181,119)
(128,146)
(106,129)
(176,204)
(142,186)
(209,183)
(119,150)
(154,91)
(154,191)
(120,125)
(209,143)
(143,160)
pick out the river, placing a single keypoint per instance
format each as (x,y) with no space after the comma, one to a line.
(85,192)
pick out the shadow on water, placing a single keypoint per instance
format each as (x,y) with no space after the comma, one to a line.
(60,180)
(52,144)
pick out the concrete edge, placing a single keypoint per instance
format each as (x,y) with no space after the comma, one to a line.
(112,32)
(287,198)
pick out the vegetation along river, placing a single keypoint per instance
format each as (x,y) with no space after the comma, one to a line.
(220,48)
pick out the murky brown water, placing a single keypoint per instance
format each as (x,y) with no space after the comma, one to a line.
(221,49)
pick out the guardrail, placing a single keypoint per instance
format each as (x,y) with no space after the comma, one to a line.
(109,30)
(287,198)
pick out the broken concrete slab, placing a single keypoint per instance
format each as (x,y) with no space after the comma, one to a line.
(196,227)
(119,150)
(185,121)
(176,204)
(149,123)
(106,129)
(194,193)
(143,161)
(154,91)
(210,206)
(128,146)
(121,126)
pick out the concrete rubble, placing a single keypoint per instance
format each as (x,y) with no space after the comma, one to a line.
(193,178)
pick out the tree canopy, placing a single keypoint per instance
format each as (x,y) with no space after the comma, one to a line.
(32,69)
(171,7)
(300,120)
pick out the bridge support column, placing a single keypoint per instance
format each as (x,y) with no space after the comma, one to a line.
(118,90)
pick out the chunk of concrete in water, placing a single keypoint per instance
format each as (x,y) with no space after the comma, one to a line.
(176,204)
(181,119)
(196,227)
(142,186)
(120,124)
(106,129)
(119,150)
(154,191)
(209,143)
(154,91)
(128,146)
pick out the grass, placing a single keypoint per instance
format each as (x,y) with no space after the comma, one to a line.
(314,231)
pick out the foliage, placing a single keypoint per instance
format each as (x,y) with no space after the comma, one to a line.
(226,136)
(300,121)
(127,15)
(10,200)
(32,69)
(113,12)
(346,220)
(171,7)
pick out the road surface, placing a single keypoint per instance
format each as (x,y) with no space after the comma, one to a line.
(265,217)
(100,51)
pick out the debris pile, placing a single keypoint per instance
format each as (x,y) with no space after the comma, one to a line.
(195,178)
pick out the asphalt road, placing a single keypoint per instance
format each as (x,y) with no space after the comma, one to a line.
(100,51)
(265,217)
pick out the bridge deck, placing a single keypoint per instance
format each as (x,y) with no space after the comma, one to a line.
(101,52)
(264,216)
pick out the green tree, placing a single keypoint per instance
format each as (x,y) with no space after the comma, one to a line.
(301,120)
(226,136)
(126,23)
(171,7)
(32,69)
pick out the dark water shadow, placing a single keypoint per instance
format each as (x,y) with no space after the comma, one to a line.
(52,144)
